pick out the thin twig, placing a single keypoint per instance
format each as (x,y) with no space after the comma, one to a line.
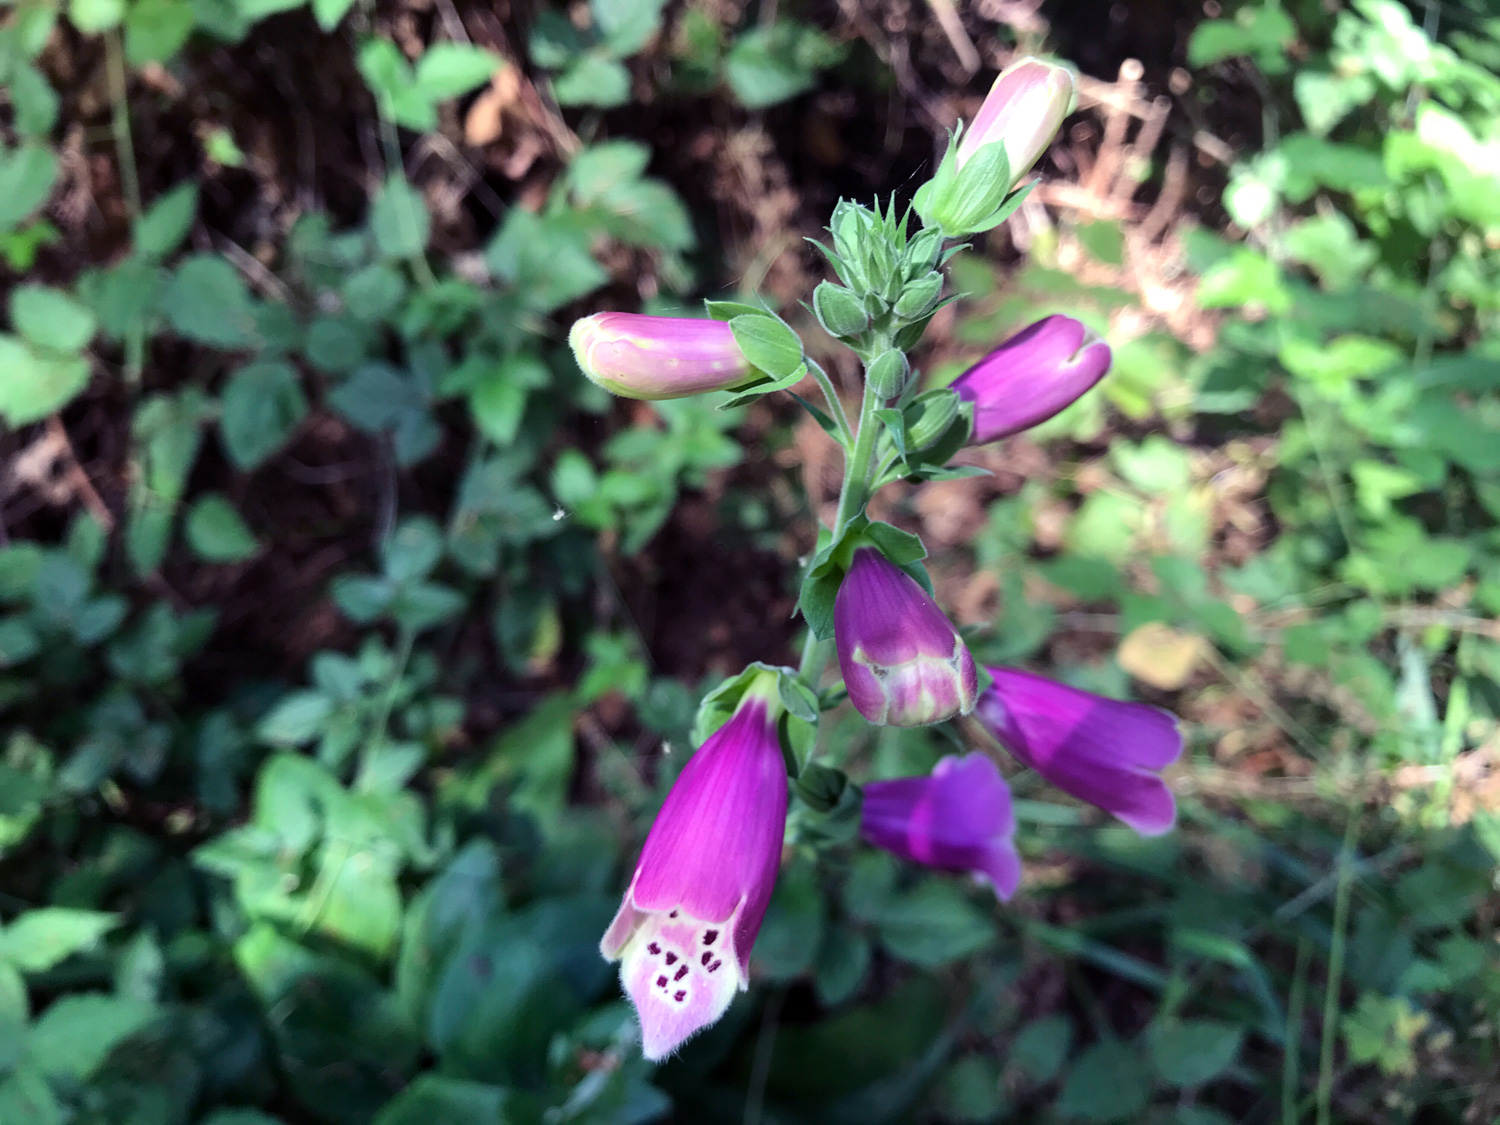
(80,479)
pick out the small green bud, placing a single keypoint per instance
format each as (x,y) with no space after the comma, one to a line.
(876,305)
(889,373)
(821,786)
(840,312)
(919,296)
(923,252)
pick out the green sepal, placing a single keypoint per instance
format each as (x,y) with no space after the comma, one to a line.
(755,390)
(728,310)
(768,343)
(797,723)
(826,571)
(821,787)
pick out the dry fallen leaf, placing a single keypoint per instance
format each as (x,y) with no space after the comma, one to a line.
(1161,656)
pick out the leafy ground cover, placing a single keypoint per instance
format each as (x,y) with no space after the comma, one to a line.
(345,624)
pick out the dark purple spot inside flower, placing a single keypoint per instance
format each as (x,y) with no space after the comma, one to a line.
(671,958)
(672,915)
(661,982)
(682,972)
(678,996)
(654,949)
(709,936)
(707,957)
(715,966)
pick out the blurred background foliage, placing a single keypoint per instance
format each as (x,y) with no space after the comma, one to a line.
(349,638)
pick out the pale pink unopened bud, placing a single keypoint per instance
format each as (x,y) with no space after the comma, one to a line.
(655,357)
(1023,109)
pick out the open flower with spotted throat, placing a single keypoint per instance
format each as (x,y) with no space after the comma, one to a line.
(700,889)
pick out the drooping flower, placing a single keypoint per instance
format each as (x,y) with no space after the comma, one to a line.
(957,819)
(1023,111)
(904,663)
(1031,376)
(655,357)
(684,930)
(1103,751)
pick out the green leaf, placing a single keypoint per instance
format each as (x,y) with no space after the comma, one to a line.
(793,927)
(449,70)
(241,1117)
(216,532)
(593,80)
(262,404)
(35,102)
(166,222)
(399,220)
(627,25)
(768,344)
(36,384)
(329,13)
(45,936)
(1191,1052)
(1041,1047)
(434,1098)
(298,718)
(934,925)
(547,261)
(155,30)
(94,16)
(207,302)
(767,65)
(26,178)
(1108,1082)
(51,318)
(25,1096)
(73,1037)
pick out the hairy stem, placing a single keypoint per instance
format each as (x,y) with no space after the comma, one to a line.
(835,407)
(853,494)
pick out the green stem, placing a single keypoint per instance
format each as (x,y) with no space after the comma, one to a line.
(852,497)
(1335,975)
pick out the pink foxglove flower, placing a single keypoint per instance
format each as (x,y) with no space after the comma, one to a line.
(1032,376)
(1023,111)
(958,819)
(700,890)
(657,357)
(1099,750)
(904,663)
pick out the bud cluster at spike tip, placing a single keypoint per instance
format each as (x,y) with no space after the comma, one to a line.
(1032,376)
(957,819)
(658,357)
(1023,111)
(1103,751)
(904,663)
(701,886)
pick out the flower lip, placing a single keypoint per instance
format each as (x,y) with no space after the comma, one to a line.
(635,355)
(1031,377)
(1106,752)
(903,662)
(957,819)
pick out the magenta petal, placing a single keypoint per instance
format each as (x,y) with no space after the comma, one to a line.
(1032,376)
(702,884)
(1103,751)
(957,819)
(658,357)
(903,662)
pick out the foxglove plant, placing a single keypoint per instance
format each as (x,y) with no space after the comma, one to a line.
(693,908)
